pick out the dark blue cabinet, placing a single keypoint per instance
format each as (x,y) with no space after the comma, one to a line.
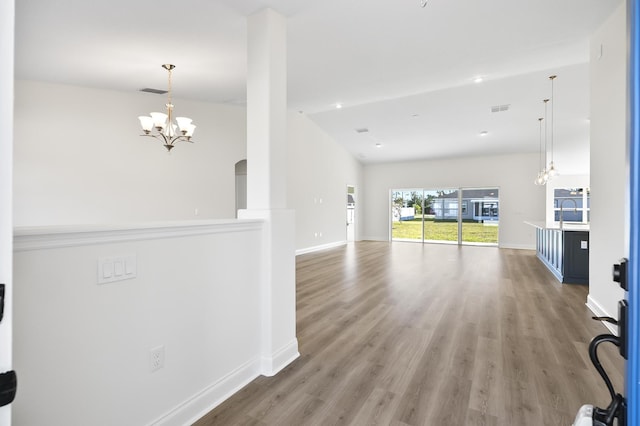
(565,253)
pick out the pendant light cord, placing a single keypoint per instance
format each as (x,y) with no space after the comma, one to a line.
(540,144)
(553,101)
(546,101)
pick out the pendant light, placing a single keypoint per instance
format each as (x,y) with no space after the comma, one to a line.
(544,172)
(552,171)
(539,180)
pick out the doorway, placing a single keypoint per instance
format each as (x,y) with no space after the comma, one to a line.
(351,213)
(241,185)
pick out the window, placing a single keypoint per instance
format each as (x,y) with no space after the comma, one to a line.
(449,215)
(572,203)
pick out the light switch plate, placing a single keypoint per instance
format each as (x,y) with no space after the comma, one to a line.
(584,245)
(117,268)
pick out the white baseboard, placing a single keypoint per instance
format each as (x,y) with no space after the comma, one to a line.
(373,238)
(599,311)
(320,247)
(200,404)
(285,356)
(517,246)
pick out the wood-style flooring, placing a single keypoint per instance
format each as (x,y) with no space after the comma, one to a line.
(412,334)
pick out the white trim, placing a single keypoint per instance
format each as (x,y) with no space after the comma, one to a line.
(48,237)
(599,311)
(279,360)
(200,404)
(320,247)
(373,238)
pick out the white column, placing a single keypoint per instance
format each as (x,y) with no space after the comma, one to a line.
(7,14)
(266,111)
(266,185)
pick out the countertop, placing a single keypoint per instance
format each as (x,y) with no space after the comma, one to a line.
(570,226)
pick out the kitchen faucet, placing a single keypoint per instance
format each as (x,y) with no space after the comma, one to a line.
(575,208)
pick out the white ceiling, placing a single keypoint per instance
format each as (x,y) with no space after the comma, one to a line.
(402,71)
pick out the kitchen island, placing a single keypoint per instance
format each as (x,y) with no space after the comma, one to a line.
(564,251)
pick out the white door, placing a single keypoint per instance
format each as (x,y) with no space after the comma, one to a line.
(351,213)
(7,14)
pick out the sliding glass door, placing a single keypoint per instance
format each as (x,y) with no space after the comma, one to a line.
(406,214)
(480,219)
(445,215)
(441,215)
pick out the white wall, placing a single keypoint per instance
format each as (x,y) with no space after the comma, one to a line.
(520,199)
(608,159)
(7,15)
(320,171)
(83,162)
(79,158)
(82,349)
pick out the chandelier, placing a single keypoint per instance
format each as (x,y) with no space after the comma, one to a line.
(161,126)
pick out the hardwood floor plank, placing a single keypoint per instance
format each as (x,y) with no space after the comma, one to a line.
(487,394)
(408,334)
(377,409)
(477,418)
(451,410)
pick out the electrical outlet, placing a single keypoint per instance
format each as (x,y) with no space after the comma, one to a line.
(156,358)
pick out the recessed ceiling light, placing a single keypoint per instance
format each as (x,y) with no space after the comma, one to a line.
(338,105)
(415,115)
(478,79)
(484,133)
(378,145)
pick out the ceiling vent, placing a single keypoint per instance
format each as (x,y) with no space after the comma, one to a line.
(500,108)
(363,130)
(156,91)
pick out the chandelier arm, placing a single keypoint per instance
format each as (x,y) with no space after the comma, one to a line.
(161,137)
(181,138)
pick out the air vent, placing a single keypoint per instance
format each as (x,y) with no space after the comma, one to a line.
(156,91)
(363,130)
(500,108)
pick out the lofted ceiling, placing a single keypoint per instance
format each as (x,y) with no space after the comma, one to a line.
(403,72)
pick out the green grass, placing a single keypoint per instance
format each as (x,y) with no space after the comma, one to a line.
(444,231)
